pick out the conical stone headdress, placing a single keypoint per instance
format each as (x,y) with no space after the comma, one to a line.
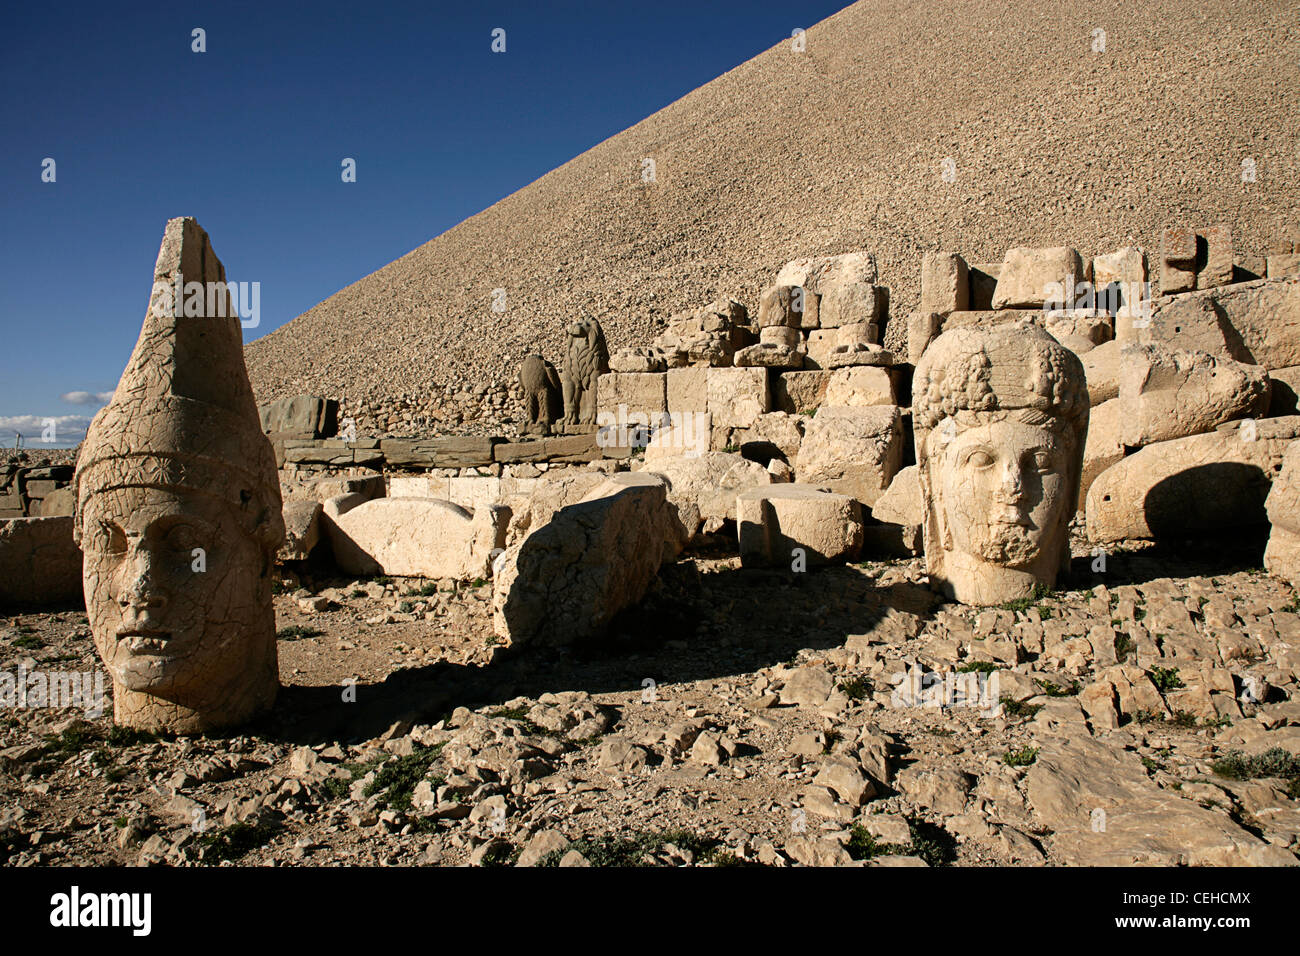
(183,415)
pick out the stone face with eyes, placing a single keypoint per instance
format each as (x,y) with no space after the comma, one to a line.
(1001,489)
(178,599)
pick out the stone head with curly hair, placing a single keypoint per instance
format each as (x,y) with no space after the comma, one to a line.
(1000,417)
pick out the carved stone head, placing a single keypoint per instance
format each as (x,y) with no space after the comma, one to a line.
(178,516)
(1000,418)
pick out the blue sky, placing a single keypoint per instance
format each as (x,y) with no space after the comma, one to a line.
(249,138)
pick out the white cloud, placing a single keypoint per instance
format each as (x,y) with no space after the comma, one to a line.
(67,430)
(87,398)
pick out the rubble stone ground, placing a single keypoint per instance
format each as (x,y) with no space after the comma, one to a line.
(737,716)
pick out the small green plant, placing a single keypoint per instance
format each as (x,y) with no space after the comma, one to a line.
(297,632)
(428,589)
(358,593)
(1051,689)
(397,778)
(478,582)
(1020,758)
(633,849)
(862,845)
(120,822)
(1184,719)
(71,741)
(382,579)
(1274,762)
(859,688)
(1019,708)
(406,607)
(1165,678)
(234,841)
(1152,765)
(28,642)
(1293,606)
(1147,716)
(980,667)
(1139,613)
(1124,646)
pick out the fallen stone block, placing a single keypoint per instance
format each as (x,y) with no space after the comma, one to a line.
(302,529)
(861,385)
(1260,319)
(1177,260)
(568,578)
(769,355)
(1167,393)
(1214,257)
(409,537)
(1282,556)
(1101,365)
(688,390)
(300,416)
(854,451)
(640,393)
(901,503)
(702,491)
(457,452)
(1104,445)
(1205,483)
(797,526)
(40,563)
(798,393)
(945,283)
(1030,276)
(737,396)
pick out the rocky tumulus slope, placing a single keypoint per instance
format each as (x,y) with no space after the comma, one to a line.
(836,148)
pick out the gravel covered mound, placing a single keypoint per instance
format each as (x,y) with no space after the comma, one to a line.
(837,148)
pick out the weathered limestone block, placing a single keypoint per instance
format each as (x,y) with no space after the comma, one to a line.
(543,393)
(688,390)
(774,435)
(850,303)
(1000,419)
(922,328)
(797,526)
(1260,319)
(1028,276)
(1119,279)
(590,446)
(1188,486)
(777,307)
(453,452)
(411,537)
(987,319)
(1177,260)
(178,513)
(1080,330)
(300,416)
(40,563)
(534,505)
(637,393)
(901,502)
(857,353)
(568,578)
(702,490)
(1215,269)
(861,385)
(797,393)
(302,529)
(778,335)
(823,343)
(638,360)
(822,273)
(586,359)
(1282,556)
(769,355)
(737,396)
(1189,322)
(1105,444)
(945,283)
(1102,367)
(686,433)
(1166,393)
(853,451)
